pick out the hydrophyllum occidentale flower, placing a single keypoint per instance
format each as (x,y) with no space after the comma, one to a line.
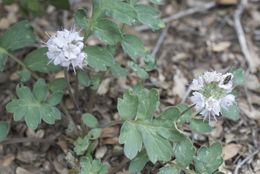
(65,48)
(211,92)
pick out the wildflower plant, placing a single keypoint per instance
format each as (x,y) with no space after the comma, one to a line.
(146,136)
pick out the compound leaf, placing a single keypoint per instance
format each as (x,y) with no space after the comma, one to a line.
(31,107)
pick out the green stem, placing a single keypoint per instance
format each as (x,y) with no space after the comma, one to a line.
(22,64)
(70,89)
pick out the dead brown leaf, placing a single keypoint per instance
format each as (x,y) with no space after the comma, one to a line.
(230,150)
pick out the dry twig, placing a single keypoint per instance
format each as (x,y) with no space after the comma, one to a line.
(241,163)
(160,41)
(30,140)
(241,35)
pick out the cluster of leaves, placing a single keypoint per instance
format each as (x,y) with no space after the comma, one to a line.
(36,105)
(149,138)
(88,165)
(103,24)
(84,146)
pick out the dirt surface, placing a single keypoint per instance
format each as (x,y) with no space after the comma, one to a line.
(188,46)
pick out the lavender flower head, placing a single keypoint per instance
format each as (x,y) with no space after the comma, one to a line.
(211,93)
(65,48)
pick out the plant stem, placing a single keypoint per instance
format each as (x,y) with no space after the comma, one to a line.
(77,89)
(22,64)
(70,89)
(186,110)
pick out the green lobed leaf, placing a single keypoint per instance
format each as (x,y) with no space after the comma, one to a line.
(87,165)
(138,163)
(148,101)
(33,116)
(90,120)
(231,112)
(127,107)
(149,16)
(50,114)
(81,19)
(81,145)
(40,90)
(23,34)
(169,170)
(155,134)
(4,129)
(208,159)
(239,76)
(57,85)
(37,60)
(157,147)
(24,92)
(131,137)
(55,98)
(30,107)
(107,31)
(184,152)
(99,58)
(199,125)
(133,46)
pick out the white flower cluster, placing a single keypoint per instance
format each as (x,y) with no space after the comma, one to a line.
(65,49)
(212,91)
